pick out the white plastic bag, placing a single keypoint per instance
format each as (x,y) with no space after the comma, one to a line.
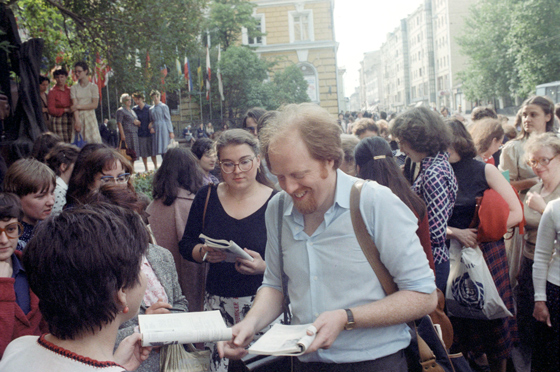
(471,292)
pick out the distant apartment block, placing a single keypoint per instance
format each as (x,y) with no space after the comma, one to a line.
(420,61)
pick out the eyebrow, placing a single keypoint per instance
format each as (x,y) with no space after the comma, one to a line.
(241,158)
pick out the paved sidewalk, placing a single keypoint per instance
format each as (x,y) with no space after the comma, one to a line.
(139,164)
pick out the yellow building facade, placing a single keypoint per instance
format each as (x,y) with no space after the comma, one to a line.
(302,33)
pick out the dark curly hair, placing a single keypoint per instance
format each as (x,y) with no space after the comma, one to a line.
(423,129)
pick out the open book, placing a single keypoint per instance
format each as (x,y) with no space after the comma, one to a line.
(231,249)
(183,328)
(290,340)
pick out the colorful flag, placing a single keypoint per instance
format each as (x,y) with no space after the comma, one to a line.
(200,77)
(188,77)
(209,72)
(220,85)
(100,75)
(178,66)
(163,71)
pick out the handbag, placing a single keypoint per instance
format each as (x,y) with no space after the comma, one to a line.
(471,292)
(129,154)
(426,351)
(79,140)
(174,358)
(270,363)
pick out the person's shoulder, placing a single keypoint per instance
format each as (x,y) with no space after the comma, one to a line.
(158,252)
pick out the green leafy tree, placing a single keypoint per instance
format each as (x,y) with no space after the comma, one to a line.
(227,18)
(123,32)
(512,45)
(534,40)
(290,86)
(246,82)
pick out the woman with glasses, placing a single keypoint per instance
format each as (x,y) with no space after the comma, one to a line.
(102,166)
(542,154)
(19,310)
(128,124)
(232,210)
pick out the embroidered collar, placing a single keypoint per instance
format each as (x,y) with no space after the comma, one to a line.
(71,355)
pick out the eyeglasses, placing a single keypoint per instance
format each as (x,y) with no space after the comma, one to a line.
(121,178)
(13,230)
(245,165)
(542,161)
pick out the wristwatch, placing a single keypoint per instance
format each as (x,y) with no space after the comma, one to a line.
(350,324)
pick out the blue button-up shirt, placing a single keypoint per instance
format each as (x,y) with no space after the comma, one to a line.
(21,286)
(328,270)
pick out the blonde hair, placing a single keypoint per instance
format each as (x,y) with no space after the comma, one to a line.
(124,97)
(535,143)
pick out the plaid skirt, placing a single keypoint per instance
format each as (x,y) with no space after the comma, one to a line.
(493,337)
(63,126)
(90,127)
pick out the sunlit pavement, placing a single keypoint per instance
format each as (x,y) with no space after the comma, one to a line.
(139,164)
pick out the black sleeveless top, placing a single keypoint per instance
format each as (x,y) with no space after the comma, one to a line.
(471,179)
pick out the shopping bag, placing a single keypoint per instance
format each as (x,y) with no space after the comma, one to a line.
(174,358)
(79,140)
(471,292)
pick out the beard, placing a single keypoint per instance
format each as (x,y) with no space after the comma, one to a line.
(306,206)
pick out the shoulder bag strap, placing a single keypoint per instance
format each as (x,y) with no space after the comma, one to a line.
(210,185)
(372,254)
(366,242)
(286,298)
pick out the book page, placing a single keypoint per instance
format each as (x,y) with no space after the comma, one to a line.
(183,328)
(230,247)
(291,340)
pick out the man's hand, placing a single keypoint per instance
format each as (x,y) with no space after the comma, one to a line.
(130,353)
(246,267)
(329,325)
(541,313)
(242,335)
(159,307)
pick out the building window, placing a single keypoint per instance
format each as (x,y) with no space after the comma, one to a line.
(259,40)
(310,75)
(301,26)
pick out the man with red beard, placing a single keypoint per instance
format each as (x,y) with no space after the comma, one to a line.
(330,282)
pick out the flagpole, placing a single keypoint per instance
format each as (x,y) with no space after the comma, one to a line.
(108,101)
(180,107)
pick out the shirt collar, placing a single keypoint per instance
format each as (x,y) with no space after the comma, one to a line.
(17,267)
(344,183)
(429,160)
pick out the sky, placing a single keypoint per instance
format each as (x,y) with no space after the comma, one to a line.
(361,26)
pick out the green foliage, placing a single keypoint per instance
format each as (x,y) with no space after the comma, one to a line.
(124,32)
(143,182)
(246,84)
(227,17)
(290,86)
(513,45)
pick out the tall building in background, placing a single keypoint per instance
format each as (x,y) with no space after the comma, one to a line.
(301,32)
(419,62)
(448,23)
(421,55)
(395,70)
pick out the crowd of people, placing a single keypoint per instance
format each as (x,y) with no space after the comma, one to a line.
(82,252)
(69,112)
